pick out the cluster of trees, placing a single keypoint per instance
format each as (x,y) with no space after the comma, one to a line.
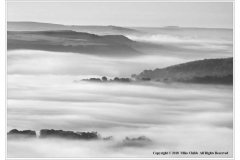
(223,79)
(141,138)
(21,134)
(51,133)
(136,142)
(45,133)
(70,135)
(116,79)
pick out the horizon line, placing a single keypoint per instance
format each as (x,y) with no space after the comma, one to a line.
(169,26)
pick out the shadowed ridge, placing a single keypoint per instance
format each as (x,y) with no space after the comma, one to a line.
(122,28)
(199,68)
(96,29)
(75,35)
(71,41)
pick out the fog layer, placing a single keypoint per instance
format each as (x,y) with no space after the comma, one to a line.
(32,62)
(175,117)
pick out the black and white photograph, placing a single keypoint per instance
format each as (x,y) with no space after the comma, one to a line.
(118,79)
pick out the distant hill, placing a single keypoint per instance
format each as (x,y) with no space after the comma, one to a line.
(201,68)
(33,26)
(71,41)
(101,30)
(123,29)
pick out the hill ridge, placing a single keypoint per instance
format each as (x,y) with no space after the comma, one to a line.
(199,68)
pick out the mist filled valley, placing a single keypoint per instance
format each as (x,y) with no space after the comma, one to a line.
(190,111)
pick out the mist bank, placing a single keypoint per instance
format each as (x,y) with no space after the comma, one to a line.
(55,148)
(175,117)
(50,141)
(34,62)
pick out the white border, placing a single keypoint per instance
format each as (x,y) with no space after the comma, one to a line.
(2,81)
(3,67)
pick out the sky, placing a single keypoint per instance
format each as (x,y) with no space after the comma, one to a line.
(154,14)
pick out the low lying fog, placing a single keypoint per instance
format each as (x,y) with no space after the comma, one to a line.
(58,63)
(206,47)
(176,117)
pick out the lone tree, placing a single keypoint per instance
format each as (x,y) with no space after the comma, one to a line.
(104,78)
(116,79)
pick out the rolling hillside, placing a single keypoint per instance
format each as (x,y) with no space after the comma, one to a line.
(201,68)
(101,30)
(71,41)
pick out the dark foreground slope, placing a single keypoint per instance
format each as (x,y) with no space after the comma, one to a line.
(71,41)
(201,71)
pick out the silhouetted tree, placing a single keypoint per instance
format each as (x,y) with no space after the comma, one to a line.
(116,79)
(104,79)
